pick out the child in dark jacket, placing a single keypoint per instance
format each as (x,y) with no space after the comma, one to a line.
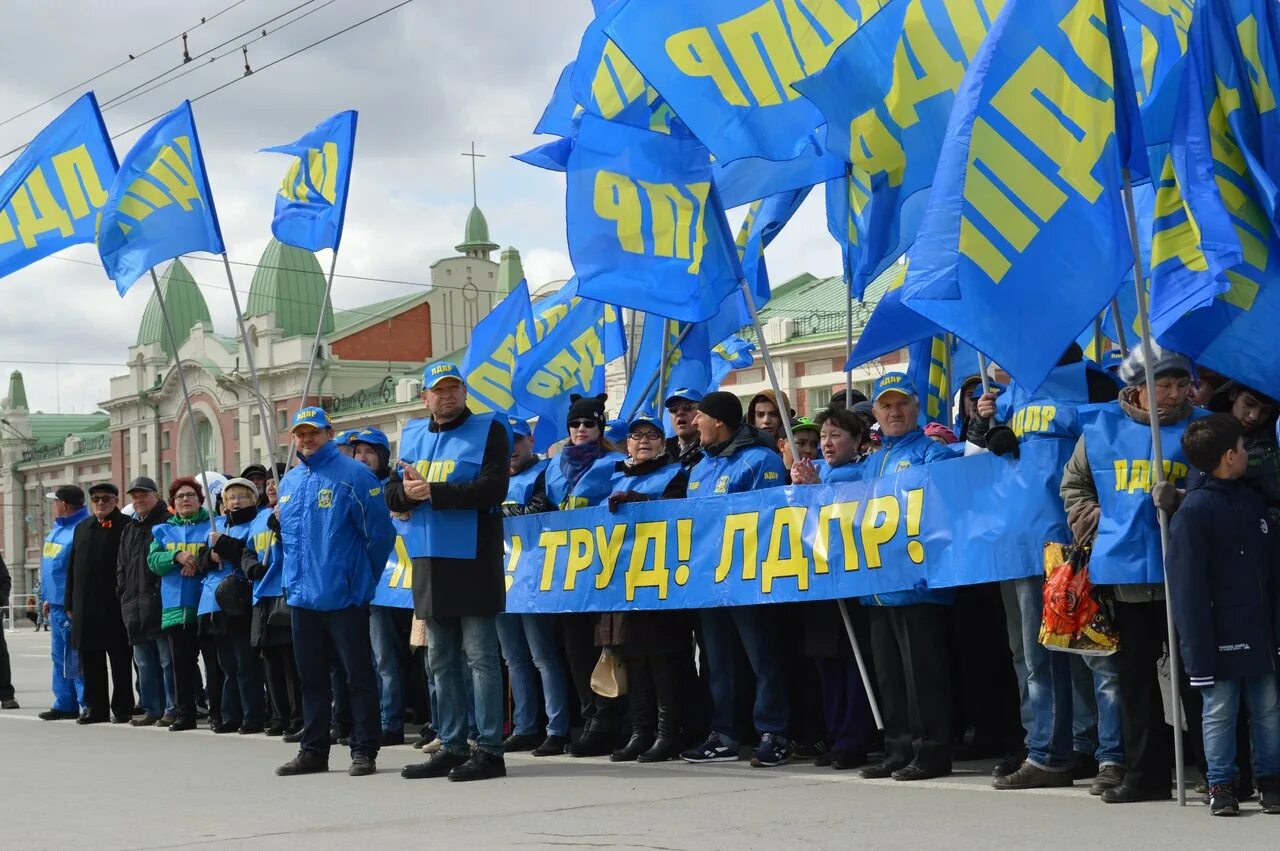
(1224,578)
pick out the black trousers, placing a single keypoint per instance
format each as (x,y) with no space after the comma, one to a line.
(215,679)
(910,648)
(579,633)
(282,685)
(93,665)
(184,646)
(6,672)
(321,641)
(655,684)
(985,687)
(1148,740)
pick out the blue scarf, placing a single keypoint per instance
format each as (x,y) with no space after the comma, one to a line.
(576,460)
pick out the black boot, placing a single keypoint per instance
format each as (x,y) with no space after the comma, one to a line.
(641,740)
(664,748)
(593,742)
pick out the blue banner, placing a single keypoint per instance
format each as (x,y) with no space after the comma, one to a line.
(497,342)
(645,226)
(50,195)
(727,66)
(160,205)
(955,522)
(312,202)
(1030,171)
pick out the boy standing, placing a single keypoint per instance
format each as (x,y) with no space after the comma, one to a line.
(1222,568)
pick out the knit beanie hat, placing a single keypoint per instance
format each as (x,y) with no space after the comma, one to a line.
(587,408)
(723,406)
(1133,370)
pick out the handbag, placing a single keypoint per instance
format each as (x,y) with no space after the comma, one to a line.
(1078,617)
(234,594)
(609,677)
(418,632)
(280,614)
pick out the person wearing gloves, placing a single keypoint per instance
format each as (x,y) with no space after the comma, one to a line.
(1106,489)
(453,476)
(685,446)
(737,458)
(529,645)
(909,628)
(657,646)
(336,535)
(175,549)
(68,687)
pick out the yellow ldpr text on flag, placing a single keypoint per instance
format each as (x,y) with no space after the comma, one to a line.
(321,176)
(34,208)
(1059,118)
(769,47)
(1135,475)
(678,213)
(573,365)
(172,170)
(616,85)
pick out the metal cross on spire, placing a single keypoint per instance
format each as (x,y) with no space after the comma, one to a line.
(474,156)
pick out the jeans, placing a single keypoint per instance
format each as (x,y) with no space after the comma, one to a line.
(67,684)
(1044,676)
(1095,687)
(453,643)
(754,626)
(533,658)
(1221,711)
(433,698)
(244,693)
(321,641)
(155,675)
(389,632)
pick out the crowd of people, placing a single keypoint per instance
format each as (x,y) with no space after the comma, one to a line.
(360,598)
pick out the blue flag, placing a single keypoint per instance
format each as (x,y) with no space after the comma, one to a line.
(728,355)
(751,179)
(160,205)
(1155,34)
(553,156)
(937,366)
(688,364)
(497,342)
(892,325)
(886,96)
(603,82)
(646,229)
(313,198)
(727,66)
(1029,173)
(559,117)
(50,195)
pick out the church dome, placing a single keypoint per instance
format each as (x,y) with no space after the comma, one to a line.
(185,304)
(475,238)
(288,286)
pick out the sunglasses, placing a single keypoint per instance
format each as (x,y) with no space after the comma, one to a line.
(683,408)
(583,424)
(106,497)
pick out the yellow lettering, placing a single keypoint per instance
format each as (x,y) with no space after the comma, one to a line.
(1247,31)
(695,54)
(788,526)
(174,173)
(842,514)
(879,525)
(81,185)
(551,541)
(1140,475)
(922,68)
(612,97)
(581,555)
(36,210)
(638,574)
(874,148)
(402,575)
(608,548)
(678,221)
(617,200)
(741,525)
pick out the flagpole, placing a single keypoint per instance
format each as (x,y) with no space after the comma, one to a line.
(1097,339)
(791,441)
(664,364)
(848,351)
(630,360)
(1115,316)
(268,425)
(315,344)
(186,396)
(653,379)
(1157,461)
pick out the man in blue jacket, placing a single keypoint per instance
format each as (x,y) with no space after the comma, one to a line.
(68,686)
(738,458)
(909,628)
(336,534)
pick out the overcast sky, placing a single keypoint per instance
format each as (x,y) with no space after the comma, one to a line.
(427,79)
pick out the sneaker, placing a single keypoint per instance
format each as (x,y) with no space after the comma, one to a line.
(805,752)
(9,704)
(362,765)
(773,750)
(1029,776)
(712,750)
(1222,800)
(551,746)
(1269,790)
(305,762)
(1109,777)
(482,766)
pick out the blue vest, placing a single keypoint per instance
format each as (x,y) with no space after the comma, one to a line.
(209,582)
(1127,549)
(592,489)
(520,490)
(1052,411)
(652,484)
(395,585)
(56,557)
(266,544)
(175,589)
(851,472)
(454,456)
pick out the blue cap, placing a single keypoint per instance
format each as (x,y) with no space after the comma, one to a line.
(371,436)
(344,436)
(312,415)
(520,427)
(893,382)
(996,388)
(1111,359)
(684,393)
(645,420)
(616,430)
(436,372)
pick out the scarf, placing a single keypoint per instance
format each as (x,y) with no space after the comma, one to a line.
(576,460)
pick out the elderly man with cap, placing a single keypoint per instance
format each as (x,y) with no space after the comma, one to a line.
(454,475)
(739,458)
(909,628)
(68,687)
(336,536)
(1106,489)
(138,590)
(685,446)
(97,626)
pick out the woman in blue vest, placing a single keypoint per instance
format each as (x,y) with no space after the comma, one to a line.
(657,646)
(173,557)
(243,707)
(844,700)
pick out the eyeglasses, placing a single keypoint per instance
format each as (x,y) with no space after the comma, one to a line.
(185,495)
(105,497)
(682,408)
(644,435)
(583,424)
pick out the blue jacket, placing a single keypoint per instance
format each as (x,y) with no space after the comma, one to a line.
(57,556)
(336,531)
(747,461)
(1224,576)
(268,552)
(897,454)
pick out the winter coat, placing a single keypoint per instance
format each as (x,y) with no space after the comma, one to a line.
(464,587)
(747,461)
(56,557)
(686,457)
(6,587)
(91,600)
(336,531)
(137,587)
(1224,576)
(179,595)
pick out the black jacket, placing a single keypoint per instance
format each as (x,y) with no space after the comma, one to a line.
(91,599)
(137,588)
(457,587)
(1224,576)
(6,585)
(691,455)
